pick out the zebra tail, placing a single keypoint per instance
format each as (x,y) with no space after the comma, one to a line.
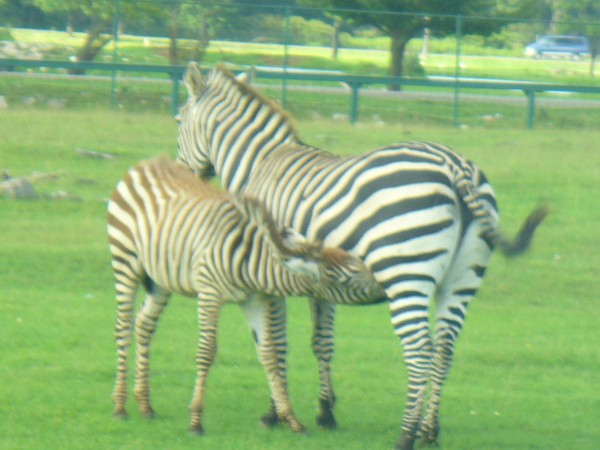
(522,240)
(467,188)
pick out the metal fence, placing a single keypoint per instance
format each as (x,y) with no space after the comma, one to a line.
(287,40)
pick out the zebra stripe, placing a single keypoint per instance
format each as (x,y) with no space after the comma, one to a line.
(421,216)
(171,232)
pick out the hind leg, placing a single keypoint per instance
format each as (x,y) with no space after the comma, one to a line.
(454,295)
(145,325)
(266,318)
(128,274)
(123,329)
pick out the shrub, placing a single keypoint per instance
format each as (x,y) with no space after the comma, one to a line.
(5,34)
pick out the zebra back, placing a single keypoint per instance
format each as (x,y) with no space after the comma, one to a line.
(160,206)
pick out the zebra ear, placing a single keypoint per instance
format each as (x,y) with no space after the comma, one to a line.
(246,77)
(301,265)
(192,79)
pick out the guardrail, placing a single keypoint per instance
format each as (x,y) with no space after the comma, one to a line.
(354,82)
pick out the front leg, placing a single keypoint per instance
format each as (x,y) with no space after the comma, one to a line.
(323,315)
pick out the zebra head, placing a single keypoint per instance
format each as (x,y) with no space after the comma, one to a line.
(192,143)
(339,276)
(227,126)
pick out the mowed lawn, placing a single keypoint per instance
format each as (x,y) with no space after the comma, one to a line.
(527,366)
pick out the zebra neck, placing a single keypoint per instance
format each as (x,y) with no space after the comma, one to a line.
(242,128)
(269,277)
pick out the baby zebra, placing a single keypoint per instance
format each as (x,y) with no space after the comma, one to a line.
(172,232)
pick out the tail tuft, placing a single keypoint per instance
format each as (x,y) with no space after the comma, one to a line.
(523,238)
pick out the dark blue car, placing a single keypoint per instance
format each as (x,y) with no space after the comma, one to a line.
(573,46)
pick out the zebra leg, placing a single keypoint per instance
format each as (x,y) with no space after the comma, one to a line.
(443,349)
(145,325)
(208,316)
(124,325)
(323,315)
(270,419)
(409,313)
(454,295)
(266,318)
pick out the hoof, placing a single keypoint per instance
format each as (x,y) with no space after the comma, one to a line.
(196,430)
(299,428)
(148,414)
(326,421)
(121,415)
(429,437)
(405,443)
(269,420)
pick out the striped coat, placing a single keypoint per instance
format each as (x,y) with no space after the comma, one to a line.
(170,232)
(422,217)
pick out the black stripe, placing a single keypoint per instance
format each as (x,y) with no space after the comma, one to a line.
(409,308)
(393,180)
(387,212)
(406,259)
(407,235)
(407,277)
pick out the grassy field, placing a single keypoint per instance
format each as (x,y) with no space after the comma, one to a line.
(527,365)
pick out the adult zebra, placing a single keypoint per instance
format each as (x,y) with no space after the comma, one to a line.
(171,232)
(422,217)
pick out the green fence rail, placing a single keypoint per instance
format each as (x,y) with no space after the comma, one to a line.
(354,82)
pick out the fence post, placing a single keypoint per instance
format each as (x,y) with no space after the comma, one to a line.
(286,37)
(354,103)
(530,107)
(456,115)
(175,77)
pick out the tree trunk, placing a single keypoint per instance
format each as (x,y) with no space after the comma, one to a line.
(202,41)
(173,34)
(398,45)
(94,42)
(335,38)
(70,23)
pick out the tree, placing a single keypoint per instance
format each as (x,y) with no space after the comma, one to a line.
(99,16)
(404,20)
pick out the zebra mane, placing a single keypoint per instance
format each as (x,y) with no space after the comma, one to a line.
(177,178)
(245,89)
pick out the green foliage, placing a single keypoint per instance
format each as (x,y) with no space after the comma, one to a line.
(6,35)
(523,365)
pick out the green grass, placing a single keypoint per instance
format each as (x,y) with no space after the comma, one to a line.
(526,364)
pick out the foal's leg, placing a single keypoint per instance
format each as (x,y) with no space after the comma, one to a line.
(209,308)
(323,315)
(126,291)
(145,324)
(266,318)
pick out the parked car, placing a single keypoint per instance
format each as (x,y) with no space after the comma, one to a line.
(573,46)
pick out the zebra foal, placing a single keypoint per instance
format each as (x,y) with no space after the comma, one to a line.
(171,232)
(422,217)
